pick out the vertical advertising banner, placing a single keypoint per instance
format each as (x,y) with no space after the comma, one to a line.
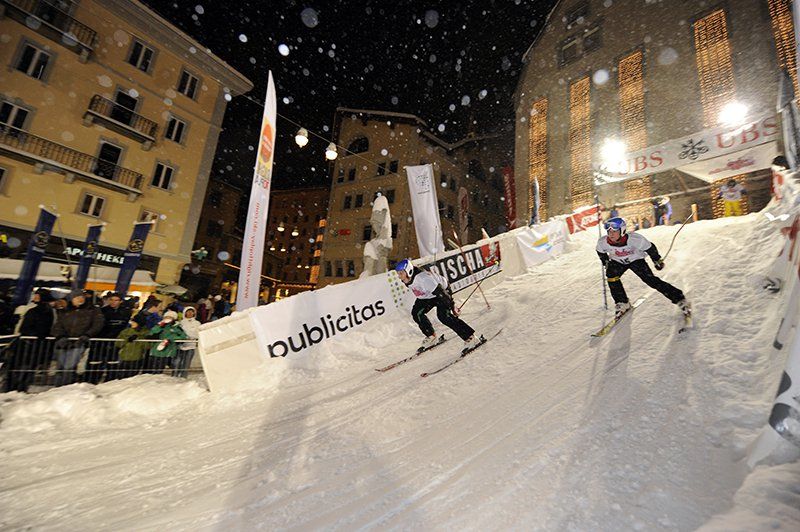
(463,215)
(787,106)
(425,207)
(256,226)
(36,247)
(88,255)
(583,218)
(510,194)
(132,255)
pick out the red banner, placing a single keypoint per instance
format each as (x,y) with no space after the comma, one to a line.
(583,218)
(511,197)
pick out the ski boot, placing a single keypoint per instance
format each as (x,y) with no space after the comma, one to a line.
(471,343)
(620,309)
(685,306)
(428,342)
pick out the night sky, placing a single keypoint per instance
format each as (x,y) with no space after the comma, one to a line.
(450,63)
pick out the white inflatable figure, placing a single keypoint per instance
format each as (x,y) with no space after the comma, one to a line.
(376,251)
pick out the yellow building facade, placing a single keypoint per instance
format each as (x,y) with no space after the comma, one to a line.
(107,113)
(380,144)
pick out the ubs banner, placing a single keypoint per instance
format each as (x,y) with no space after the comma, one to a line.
(293,325)
(473,265)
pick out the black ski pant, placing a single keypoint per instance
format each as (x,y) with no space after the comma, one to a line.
(614,271)
(444,311)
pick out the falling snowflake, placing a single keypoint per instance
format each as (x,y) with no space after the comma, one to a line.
(309,17)
(283,50)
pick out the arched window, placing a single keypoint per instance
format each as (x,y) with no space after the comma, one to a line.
(358,145)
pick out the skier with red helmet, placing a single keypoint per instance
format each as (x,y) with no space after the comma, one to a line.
(431,291)
(619,252)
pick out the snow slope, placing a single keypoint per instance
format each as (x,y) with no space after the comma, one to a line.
(542,429)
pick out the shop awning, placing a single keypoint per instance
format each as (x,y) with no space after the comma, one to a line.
(100,277)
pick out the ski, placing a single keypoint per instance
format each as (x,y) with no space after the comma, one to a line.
(463,354)
(688,323)
(420,351)
(610,325)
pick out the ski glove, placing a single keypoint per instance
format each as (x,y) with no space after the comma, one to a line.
(659,264)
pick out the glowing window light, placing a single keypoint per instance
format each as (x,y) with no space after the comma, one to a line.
(580,182)
(537,158)
(634,129)
(783,31)
(714,65)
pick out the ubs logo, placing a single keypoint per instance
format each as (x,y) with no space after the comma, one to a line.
(136,245)
(40,239)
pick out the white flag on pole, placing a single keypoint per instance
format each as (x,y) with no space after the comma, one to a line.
(256,228)
(425,207)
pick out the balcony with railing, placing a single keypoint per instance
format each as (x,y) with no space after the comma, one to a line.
(121,119)
(48,155)
(49,18)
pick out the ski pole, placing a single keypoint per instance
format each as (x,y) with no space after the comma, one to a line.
(461,250)
(676,236)
(469,296)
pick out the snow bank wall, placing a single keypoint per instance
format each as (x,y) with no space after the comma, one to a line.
(783,427)
(239,351)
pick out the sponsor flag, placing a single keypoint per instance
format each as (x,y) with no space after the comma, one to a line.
(132,255)
(256,227)
(88,255)
(425,206)
(583,218)
(36,247)
(510,197)
(466,267)
(787,107)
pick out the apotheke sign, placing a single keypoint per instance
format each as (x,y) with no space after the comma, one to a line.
(107,258)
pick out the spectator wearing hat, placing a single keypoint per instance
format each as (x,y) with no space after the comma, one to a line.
(73,328)
(33,350)
(103,355)
(168,331)
(149,313)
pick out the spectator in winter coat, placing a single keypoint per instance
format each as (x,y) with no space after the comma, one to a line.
(168,330)
(731,195)
(73,329)
(149,314)
(132,353)
(103,355)
(6,315)
(186,350)
(30,353)
(219,307)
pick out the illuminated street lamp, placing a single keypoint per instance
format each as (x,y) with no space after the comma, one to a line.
(331,152)
(612,153)
(302,137)
(733,114)
(281,228)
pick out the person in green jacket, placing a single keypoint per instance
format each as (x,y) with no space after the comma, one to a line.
(167,331)
(131,352)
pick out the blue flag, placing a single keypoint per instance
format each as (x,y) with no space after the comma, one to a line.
(88,256)
(36,248)
(132,255)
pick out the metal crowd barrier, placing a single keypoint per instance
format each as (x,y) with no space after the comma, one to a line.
(31,364)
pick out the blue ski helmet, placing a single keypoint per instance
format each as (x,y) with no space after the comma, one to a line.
(617,224)
(405,266)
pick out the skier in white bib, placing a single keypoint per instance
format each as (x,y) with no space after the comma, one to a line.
(619,252)
(431,291)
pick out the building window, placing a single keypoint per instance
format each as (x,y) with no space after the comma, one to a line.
(453,185)
(215,200)
(476,170)
(213,228)
(3,174)
(33,61)
(351,268)
(633,126)
(339,269)
(12,116)
(537,160)
(394,230)
(150,216)
(328,269)
(162,178)
(393,167)
(441,205)
(592,39)
(568,51)
(358,145)
(577,14)
(269,268)
(381,168)
(714,65)
(366,233)
(187,85)
(92,205)
(359,200)
(351,174)
(389,195)
(340,177)
(107,160)
(175,129)
(348,200)
(141,56)
(780,13)
(451,213)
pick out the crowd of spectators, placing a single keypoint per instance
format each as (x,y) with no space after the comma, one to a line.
(115,337)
